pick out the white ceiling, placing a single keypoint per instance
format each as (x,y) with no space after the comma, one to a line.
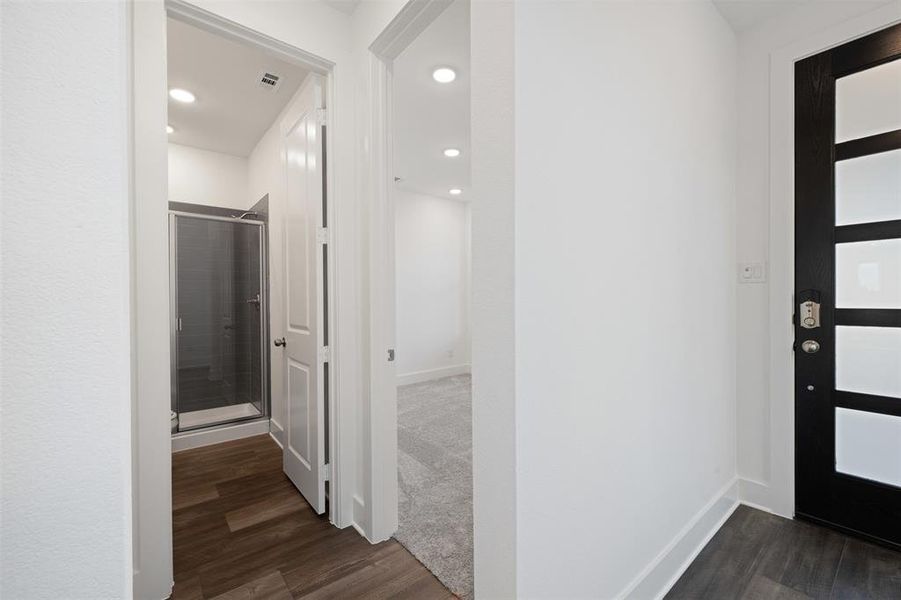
(345,6)
(746,14)
(232,110)
(430,116)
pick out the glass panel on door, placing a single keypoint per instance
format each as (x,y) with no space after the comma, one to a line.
(219,310)
(868,445)
(868,274)
(868,102)
(868,360)
(868,188)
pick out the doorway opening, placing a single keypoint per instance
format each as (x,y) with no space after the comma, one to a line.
(249,239)
(430,163)
(239,174)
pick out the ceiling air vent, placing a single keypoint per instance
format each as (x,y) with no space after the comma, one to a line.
(269,80)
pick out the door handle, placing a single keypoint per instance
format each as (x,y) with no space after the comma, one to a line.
(280,342)
(810,346)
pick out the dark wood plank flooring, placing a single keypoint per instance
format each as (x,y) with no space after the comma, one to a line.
(757,555)
(241,530)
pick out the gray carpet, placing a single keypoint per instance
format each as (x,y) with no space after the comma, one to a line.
(434,459)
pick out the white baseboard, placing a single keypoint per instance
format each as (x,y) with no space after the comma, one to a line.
(663,572)
(360,520)
(754,494)
(206,437)
(420,376)
(277,432)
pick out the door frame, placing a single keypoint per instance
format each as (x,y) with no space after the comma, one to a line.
(412,20)
(151,447)
(778,494)
(492,66)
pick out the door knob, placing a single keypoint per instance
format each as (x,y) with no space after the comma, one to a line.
(810,346)
(280,342)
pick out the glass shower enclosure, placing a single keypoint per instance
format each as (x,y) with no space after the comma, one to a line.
(219,310)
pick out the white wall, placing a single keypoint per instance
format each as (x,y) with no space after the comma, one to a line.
(763,465)
(432,288)
(66,384)
(200,176)
(625,289)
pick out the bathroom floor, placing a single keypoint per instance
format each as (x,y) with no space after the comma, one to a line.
(241,530)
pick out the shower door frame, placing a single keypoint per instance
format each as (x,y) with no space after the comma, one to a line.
(174,215)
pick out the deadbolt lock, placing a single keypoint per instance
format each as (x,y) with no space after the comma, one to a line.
(809,310)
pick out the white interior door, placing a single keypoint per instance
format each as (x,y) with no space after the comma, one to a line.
(304,448)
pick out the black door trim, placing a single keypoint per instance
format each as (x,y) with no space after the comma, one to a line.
(866,52)
(868,317)
(865,232)
(874,144)
(868,402)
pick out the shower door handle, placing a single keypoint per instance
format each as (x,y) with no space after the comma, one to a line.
(280,342)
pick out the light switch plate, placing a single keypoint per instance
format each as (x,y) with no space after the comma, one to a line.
(752,272)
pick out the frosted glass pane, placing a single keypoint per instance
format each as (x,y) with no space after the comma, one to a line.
(868,274)
(868,445)
(868,360)
(868,188)
(868,102)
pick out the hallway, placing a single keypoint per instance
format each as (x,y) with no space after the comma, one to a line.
(241,530)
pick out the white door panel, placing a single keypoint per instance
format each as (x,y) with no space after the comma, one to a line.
(304,453)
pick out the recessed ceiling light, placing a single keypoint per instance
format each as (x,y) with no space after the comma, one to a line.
(455,191)
(444,75)
(170,129)
(181,95)
(451,152)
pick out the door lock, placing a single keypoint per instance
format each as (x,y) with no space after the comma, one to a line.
(809,311)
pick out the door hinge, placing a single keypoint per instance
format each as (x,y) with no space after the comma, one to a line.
(322,235)
(390,354)
(321,116)
(325,473)
(325,354)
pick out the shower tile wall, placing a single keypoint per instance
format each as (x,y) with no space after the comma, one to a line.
(219,345)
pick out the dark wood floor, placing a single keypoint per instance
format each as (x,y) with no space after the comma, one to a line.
(757,555)
(241,530)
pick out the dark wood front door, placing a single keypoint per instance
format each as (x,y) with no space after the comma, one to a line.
(848,287)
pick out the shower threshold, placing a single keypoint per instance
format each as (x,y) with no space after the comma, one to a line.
(216,416)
